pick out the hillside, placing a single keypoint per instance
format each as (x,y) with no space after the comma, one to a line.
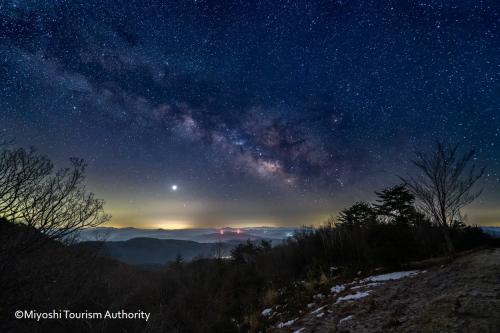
(151,251)
(463,296)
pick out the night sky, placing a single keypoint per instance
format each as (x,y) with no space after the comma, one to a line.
(259,112)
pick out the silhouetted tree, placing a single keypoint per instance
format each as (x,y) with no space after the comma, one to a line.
(178,260)
(265,245)
(21,172)
(61,206)
(445,185)
(245,252)
(56,204)
(359,214)
(396,204)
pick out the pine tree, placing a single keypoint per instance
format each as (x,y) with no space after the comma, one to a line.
(396,205)
(359,214)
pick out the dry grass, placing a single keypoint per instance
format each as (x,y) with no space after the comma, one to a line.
(270,296)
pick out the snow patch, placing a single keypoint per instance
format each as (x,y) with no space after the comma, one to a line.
(346,319)
(266,312)
(319,296)
(373,284)
(299,330)
(320,315)
(390,276)
(337,289)
(318,309)
(355,296)
(287,323)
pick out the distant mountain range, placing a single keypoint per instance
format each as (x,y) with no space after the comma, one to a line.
(160,246)
(493,231)
(152,251)
(203,235)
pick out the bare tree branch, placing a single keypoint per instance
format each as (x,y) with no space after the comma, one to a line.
(445,184)
(56,204)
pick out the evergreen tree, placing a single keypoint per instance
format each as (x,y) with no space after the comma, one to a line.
(359,214)
(178,260)
(396,205)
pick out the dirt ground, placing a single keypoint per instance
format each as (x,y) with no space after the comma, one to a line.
(463,296)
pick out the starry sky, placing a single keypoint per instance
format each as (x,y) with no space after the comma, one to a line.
(248,113)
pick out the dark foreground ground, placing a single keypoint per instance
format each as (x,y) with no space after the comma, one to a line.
(462,296)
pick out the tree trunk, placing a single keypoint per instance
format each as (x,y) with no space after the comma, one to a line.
(449,244)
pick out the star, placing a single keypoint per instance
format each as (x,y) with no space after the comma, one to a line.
(333,109)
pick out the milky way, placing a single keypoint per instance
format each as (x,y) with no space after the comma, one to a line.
(263,112)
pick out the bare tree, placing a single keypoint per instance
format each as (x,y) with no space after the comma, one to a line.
(445,185)
(61,205)
(56,204)
(20,172)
